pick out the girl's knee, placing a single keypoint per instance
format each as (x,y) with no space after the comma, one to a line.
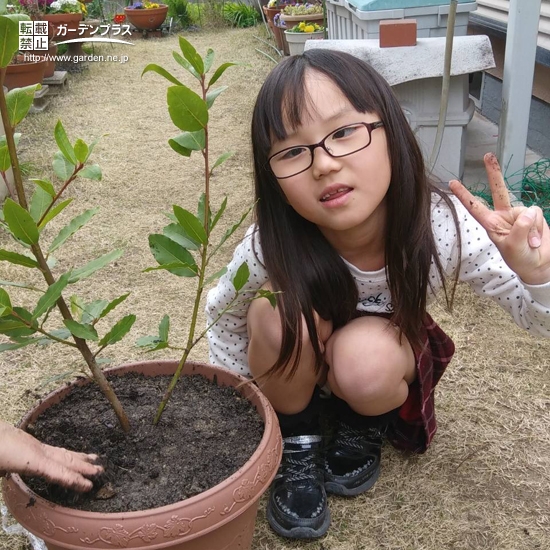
(367,361)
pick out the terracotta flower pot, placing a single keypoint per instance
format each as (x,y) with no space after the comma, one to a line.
(147,20)
(270,13)
(23,73)
(50,62)
(56,20)
(221,518)
(292,20)
(297,40)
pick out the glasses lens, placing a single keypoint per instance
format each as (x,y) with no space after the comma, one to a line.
(348,140)
(290,161)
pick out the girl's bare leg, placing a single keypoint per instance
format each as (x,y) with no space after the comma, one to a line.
(265,334)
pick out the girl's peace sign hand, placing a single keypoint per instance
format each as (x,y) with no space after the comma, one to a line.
(521,234)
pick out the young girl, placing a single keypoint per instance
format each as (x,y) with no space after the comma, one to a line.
(356,241)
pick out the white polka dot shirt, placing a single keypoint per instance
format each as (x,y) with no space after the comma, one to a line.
(480,265)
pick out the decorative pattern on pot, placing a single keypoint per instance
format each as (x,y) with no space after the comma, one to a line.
(175,527)
(246,489)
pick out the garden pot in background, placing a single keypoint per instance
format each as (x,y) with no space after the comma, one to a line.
(71,22)
(297,40)
(147,20)
(221,518)
(24,73)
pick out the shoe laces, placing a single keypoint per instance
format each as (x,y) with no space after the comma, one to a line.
(301,458)
(356,438)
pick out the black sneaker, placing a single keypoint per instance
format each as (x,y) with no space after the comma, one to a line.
(352,462)
(297,506)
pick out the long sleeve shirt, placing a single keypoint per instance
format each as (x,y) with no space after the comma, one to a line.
(480,265)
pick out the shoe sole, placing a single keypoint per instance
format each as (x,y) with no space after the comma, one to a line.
(299,532)
(335,488)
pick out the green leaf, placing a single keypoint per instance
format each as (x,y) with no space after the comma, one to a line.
(64,144)
(187,109)
(22,344)
(241,277)
(186,65)
(46,185)
(195,141)
(92,145)
(20,222)
(164,328)
(39,203)
(183,270)
(166,251)
(91,172)
(179,149)
(148,342)
(234,228)
(219,71)
(19,102)
(214,277)
(119,331)
(57,209)
(271,296)
(77,307)
(112,304)
(62,167)
(219,213)
(153,67)
(13,327)
(72,227)
(176,232)
(200,210)
(191,225)
(213,94)
(221,159)
(50,297)
(81,150)
(5,303)
(17,259)
(86,332)
(5,159)
(189,52)
(95,265)
(9,40)
(20,285)
(208,59)
(93,310)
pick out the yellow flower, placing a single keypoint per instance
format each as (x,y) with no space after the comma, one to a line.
(309,28)
(302,26)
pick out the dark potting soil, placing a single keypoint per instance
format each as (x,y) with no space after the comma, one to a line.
(206,433)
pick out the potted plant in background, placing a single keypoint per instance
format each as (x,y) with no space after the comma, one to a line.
(221,517)
(300,33)
(271,10)
(146,16)
(308,12)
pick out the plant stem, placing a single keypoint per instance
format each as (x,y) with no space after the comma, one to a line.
(56,198)
(204,262)
(10,142)
(81,344)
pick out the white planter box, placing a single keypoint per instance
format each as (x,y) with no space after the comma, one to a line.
(353,19)
(296,40)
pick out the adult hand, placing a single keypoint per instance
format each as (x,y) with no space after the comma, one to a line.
(21,453)
(521,234)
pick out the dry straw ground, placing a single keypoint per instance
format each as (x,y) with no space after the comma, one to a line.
(484,483)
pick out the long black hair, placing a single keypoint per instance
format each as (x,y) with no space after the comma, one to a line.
(299,260)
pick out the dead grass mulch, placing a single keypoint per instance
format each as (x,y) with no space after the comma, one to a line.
(485,481)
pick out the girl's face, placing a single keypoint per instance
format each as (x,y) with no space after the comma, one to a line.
(343,195)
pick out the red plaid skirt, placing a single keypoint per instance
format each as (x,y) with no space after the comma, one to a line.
(416,424)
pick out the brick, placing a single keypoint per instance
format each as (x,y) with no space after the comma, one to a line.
(395,33)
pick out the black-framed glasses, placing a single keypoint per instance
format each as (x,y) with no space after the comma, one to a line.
(342,142)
